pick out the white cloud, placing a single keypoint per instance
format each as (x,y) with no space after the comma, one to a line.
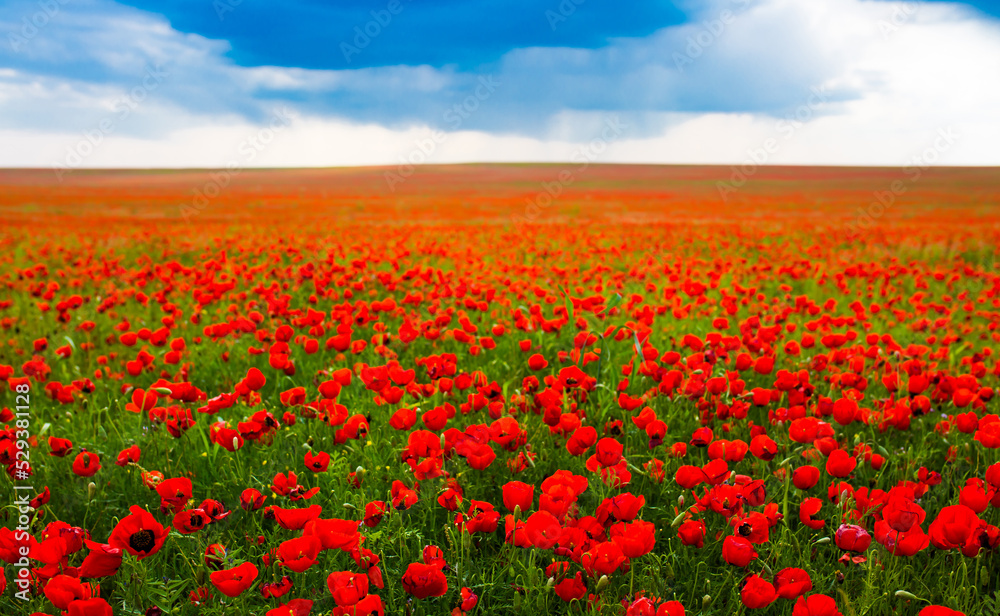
(893,75)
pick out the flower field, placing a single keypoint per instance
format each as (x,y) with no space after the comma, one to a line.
(301,392)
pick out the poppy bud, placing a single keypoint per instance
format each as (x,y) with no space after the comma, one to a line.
(91,490)
(706,601)
(906,595)
(162,390)
(853,538)
(602,583)
(360,472)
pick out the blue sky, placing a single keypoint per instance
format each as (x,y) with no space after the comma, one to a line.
(97,83)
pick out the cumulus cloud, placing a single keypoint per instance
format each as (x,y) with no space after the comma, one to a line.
(819,82)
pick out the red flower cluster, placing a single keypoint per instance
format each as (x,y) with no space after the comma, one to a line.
(703,412)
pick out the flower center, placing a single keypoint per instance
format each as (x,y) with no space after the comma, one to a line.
(142,541)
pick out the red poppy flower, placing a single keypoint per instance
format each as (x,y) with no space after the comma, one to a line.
(738,551)
(792,582)
(852,538)
(840,464)
(300,553)
(190,521)
(634,538)
(102,561)
(402,496)
(128,456)
(939,610)
(901,544)
(622,507)
(59,447)
(373,513)
(62,590)
(571,588)
(754,493)
(543,529)
(334,534)
(422,581)
(233,582)
(901,512)
(295,519)
(254,380)
(41,499)
(807,510)
(139,534)
(252,499)
(433,555)
(86,464)
(805,477)
(582,439)
(757,593)
(518,494)
(953,527)
(317,463)
(215,555)
(988,432)
(609,452)
(297,607)
(692,532)
(174,494)
(974,495)
(815,605)
(670,608)
(347,588)
(90,607)
(689,477)
(142,401)
(604,559)
(481,518)
(215,510)
(288,485)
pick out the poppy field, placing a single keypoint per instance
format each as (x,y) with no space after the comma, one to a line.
(317,392)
